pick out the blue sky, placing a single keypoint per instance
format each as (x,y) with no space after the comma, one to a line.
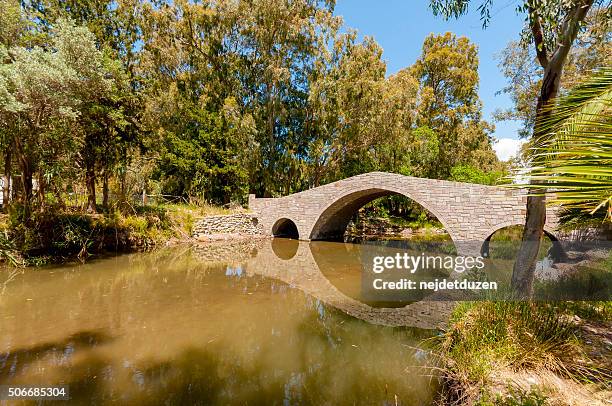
(400,27)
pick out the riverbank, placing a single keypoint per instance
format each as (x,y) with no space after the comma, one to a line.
(504,353)
(527,353)
(67,236)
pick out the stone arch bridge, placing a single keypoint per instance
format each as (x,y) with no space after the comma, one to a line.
(470,213)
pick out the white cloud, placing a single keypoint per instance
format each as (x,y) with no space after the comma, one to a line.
(507,148)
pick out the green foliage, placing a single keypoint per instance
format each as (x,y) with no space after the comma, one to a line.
(43,90)
(574,157)
(210,101)
(449,105)
(518,63)
(469,174)
(552,27)
(202,161)
(8,251)
(48,237)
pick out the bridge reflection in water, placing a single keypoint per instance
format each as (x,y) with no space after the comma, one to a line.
(327,271)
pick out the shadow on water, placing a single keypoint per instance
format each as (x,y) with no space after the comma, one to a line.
(213,374)
(331,359)
(13,362)
(199,377)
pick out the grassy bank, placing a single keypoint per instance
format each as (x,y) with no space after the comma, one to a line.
(526,353)
(53,237)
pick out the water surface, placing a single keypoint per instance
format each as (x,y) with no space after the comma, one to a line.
(270,322)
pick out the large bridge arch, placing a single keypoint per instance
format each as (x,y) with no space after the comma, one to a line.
(333,220)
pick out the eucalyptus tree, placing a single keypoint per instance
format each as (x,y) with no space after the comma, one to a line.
(240,71)
(43,90)
(12,29)
(109,123)
(552,27)
(397,143)
(592,49)
(346,100)
(280,42)
(421,121)
(189,68)
(449,105)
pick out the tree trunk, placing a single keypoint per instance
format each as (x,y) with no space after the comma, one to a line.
(524,268)
(6,188)
(41,193)
(90,183)
(57,191)
(26,183)
(26,178)
(105,190)
(123,191)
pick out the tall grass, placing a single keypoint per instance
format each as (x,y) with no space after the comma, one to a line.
(487,337)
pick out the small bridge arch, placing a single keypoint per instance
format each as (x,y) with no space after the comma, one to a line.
(286,228)
(557,249)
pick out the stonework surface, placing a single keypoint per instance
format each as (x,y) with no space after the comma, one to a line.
(241,223)
(469,212)
(229,252)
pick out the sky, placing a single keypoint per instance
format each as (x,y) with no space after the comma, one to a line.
(400,26)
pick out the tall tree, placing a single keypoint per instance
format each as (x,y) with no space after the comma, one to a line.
(44,89)
(449,104)
(109,123)
(552,27)
(346,100)
(592,49)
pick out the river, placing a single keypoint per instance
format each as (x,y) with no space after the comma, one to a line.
(263,321)
(252,322)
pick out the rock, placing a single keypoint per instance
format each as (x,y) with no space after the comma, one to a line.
(407,232)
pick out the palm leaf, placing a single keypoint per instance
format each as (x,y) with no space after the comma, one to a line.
(572,161)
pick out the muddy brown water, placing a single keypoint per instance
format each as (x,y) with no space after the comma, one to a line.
(245,323)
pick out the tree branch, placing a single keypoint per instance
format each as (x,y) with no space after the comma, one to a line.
(538,37)
(569,31)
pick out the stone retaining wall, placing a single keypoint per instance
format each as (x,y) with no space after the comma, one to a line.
(602,233)
(242,223)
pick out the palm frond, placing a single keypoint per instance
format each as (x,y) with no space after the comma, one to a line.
(572,161)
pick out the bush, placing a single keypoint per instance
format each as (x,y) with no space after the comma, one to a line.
(49,237)
(469,174)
